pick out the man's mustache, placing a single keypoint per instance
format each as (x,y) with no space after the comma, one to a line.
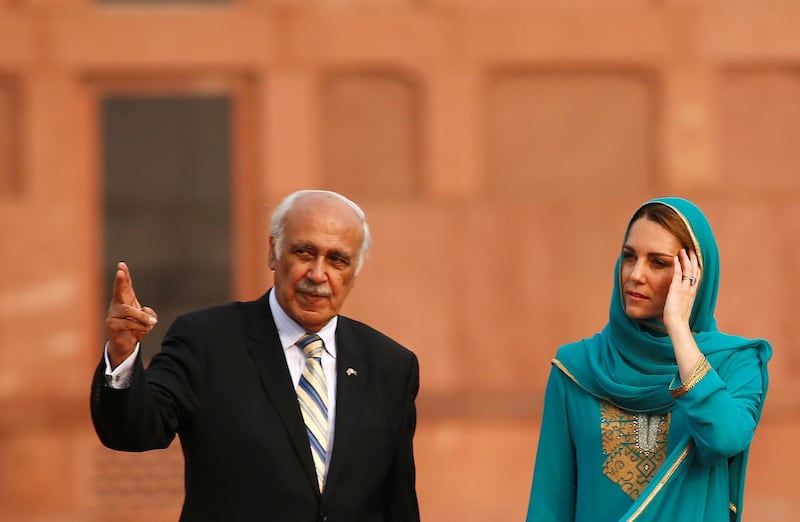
(307,287)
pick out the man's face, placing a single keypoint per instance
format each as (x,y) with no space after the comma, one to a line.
(319,250)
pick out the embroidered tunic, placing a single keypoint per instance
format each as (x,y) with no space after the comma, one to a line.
(619,456)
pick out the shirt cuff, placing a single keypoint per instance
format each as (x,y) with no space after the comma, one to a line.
(120,377)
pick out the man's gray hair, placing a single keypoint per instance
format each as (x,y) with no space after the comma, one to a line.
(278,222)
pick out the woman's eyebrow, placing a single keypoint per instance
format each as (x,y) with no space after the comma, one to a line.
(650,254)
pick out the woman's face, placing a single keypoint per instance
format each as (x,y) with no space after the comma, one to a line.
(646,269)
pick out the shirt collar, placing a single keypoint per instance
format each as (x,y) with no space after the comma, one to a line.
(289,331)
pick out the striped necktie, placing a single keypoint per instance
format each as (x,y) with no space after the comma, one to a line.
(312,394)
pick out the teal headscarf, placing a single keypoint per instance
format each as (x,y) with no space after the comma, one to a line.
(631,364)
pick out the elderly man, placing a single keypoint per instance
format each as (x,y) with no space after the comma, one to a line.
(286,411)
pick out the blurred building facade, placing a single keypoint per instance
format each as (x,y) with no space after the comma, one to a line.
(497,146)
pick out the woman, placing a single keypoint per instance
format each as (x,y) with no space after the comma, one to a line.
(651,419)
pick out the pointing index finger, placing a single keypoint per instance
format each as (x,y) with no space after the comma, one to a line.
(123,286)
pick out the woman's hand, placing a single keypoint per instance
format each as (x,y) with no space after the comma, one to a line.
(678,309)
(682,291)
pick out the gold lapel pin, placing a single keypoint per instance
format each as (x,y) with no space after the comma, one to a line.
(350,372)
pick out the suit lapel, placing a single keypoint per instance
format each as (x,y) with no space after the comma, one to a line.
(267,353)
(351,380)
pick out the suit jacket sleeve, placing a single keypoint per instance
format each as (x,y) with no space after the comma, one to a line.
(158,403)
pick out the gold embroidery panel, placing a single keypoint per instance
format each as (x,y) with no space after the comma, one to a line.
(635,447)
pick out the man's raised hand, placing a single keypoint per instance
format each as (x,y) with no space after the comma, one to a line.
(127,321)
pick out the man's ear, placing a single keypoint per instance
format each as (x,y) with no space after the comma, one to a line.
(273,260)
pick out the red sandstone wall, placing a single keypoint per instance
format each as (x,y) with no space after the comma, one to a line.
(498,147)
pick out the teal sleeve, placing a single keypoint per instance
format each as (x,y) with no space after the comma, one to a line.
(554,477)
(723,407)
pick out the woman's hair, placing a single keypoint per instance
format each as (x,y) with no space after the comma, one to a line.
(669,219)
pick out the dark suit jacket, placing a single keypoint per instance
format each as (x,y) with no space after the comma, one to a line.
(221,383)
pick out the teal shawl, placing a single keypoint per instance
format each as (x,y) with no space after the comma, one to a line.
(632,364)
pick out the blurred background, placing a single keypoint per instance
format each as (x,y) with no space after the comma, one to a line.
(498,148)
